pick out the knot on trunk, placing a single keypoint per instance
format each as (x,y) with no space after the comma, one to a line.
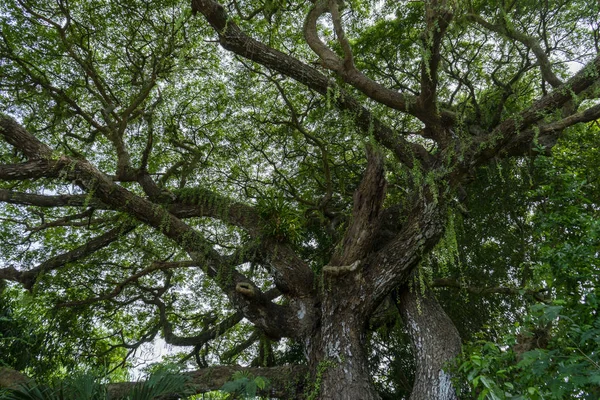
(245,289)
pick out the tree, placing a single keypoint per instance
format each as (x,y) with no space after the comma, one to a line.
(187,170)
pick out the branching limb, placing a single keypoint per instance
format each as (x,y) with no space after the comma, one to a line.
(503,137)
(530,42)
(233,39)
(275,320)
(28,278)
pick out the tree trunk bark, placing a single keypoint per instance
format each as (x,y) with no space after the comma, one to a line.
(435,342)
(337,353)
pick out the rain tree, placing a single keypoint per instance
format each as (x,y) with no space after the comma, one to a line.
(264,182)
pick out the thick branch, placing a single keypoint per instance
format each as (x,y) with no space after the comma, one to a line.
(199,202)
(17,136)
(393,264)
(543,138)
(368,200)
(437,20)
(36,169)
(286,382)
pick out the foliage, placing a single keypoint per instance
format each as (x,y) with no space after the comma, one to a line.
(567,366)
(553,352)
(91,387)
(30,328)
(244,385)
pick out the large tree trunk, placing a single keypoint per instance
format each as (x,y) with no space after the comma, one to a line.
(337,352)
(435,342)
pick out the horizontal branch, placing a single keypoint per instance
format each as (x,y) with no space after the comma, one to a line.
(286,382)
(543,138)
(200,202)
(38,200)
(538,294)
(28,277)
(35,169)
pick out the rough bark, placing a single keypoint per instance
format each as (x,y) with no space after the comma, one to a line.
(435,342)
(337,351)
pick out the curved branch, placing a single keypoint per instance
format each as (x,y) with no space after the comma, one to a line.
(233,39)
(345,68)
(196,340)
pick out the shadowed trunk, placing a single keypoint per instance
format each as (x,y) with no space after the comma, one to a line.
(337,351)
(435,342)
